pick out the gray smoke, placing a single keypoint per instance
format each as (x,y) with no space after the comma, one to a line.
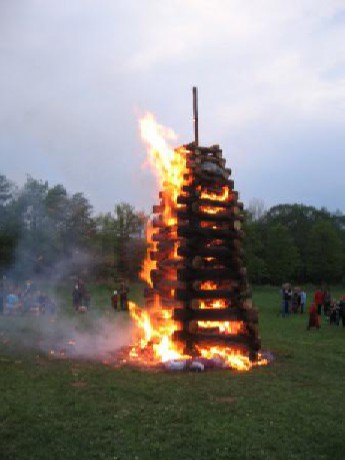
(78,337)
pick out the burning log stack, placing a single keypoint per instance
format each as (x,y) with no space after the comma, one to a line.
(200,275)
(198,303)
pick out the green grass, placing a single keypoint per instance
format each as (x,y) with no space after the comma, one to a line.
(75,409)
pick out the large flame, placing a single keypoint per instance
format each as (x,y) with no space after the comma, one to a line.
(154,325)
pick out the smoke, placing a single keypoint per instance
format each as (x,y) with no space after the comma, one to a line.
(83,336)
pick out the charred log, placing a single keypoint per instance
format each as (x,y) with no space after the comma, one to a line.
(217,314)
(216,339)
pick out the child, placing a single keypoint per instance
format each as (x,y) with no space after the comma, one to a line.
(313,317)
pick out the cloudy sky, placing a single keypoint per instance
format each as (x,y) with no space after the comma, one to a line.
(76,75)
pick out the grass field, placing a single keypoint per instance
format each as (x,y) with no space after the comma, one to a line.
(79,409)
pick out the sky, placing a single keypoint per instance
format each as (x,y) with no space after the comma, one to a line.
(76,76)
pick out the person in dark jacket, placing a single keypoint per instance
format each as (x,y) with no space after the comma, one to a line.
(123,296)
(342,310)
(114,300)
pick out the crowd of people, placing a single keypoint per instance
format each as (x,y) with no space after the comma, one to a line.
(294,300)
(18,300)
(119,297)
(81,297)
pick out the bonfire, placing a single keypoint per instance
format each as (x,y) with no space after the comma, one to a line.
(198,310)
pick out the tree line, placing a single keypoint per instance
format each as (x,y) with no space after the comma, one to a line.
(295,242)
(47,231)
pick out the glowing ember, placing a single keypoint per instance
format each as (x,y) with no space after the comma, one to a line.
(216,196)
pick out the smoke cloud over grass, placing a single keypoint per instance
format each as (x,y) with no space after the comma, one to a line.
(87,336)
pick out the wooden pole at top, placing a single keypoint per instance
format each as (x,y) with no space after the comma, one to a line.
(195,115)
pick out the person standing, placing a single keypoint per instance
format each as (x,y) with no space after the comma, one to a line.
(114,300)
(313,317)
(76,296)
(318,298)
(327,301)
(342,310)
(123,296)
(295,300)
(303,300)
(287,293)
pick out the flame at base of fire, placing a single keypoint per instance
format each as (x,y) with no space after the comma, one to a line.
(154,344)
(153,335)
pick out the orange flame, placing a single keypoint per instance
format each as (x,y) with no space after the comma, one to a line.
(155,329)
(148,264)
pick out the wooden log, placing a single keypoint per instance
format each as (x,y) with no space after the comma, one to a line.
(170,284)
(209,168)
(197,242)
(217,314)
(187,231)
(215,274)
(163,238)
(166,245)
(200,177)
(191,200)
(198,262)
(222,339)
(184,294)
(232,249)
(190,189)
(158,208)
(167,303)
(158,223)
(164,233)
(202,150)
(232,212)
(227,216)
(196,161)
(221,252)
(170,263)
(159,255)
(217,190)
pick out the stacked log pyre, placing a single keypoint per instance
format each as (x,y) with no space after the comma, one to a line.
(200,275)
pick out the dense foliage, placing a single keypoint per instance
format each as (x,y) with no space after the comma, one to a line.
(295,242)
(46,230)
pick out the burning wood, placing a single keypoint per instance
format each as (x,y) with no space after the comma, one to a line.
(199,302)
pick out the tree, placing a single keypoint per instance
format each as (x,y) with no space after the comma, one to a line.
(34,243)
(325,253)
(80,226)
(254,252)
(129,226)
(6,190)
(299,220)
(281,254)
(9,225)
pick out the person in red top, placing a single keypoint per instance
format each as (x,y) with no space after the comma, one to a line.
(319,298)
(313,317)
